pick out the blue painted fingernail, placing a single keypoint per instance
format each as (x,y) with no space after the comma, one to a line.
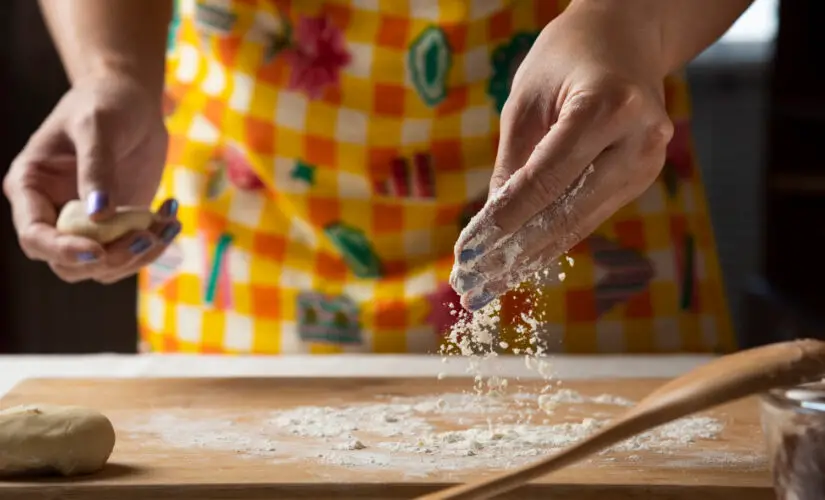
(169,208)
(170,232)
(469,254)
(466,282)
(481,300)
(96,202)
(140,245)
(86,257)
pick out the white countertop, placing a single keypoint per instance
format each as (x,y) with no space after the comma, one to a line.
(16,368)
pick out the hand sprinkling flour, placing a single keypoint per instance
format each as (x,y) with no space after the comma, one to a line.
(582,135)
(513,258)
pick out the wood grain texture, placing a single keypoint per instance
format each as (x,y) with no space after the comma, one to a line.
(142,468)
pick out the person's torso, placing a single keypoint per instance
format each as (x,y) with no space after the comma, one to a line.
(327,154)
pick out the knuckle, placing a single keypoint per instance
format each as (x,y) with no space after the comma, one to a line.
(617,100)
(657,135)
(625,99)
(617,97)
(582,103)
(654,143)
(12,179)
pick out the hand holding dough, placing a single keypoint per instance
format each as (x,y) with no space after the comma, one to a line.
(45,439)
(74,220)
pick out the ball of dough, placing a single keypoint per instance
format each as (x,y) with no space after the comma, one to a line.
(74,220)
(46,439)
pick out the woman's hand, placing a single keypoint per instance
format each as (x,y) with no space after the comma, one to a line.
(583,133)
(105,142)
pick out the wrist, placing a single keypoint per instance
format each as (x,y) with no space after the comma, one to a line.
(123,68)
(678,29)
(635,26)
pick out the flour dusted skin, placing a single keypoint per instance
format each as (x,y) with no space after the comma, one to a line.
(45,439)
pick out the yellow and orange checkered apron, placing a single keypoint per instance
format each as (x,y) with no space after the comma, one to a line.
(326,155)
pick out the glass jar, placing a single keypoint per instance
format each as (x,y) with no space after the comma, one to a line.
(793,422)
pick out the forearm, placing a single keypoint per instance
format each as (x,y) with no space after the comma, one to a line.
(681,29)
(690,26)
(100,36)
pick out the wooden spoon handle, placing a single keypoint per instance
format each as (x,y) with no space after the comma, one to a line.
(502,483)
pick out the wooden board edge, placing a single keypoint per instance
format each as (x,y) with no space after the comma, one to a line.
(373,491)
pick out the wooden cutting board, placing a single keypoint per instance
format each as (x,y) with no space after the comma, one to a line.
(205,439)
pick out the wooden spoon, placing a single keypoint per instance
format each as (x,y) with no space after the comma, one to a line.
(723,380)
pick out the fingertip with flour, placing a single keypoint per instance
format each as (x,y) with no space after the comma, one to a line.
(477,302)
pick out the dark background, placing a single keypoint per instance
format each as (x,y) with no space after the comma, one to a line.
(759,121)
(41,314)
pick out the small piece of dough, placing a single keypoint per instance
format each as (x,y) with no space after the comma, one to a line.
(46,439)
(74,220)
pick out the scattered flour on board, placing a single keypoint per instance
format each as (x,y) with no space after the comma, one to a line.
(415,436)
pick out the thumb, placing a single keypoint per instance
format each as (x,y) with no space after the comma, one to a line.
(95,174)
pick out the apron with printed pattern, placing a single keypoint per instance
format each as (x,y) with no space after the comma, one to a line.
(326,155)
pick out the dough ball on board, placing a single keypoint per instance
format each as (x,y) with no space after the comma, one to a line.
(74,220)
(44,439)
